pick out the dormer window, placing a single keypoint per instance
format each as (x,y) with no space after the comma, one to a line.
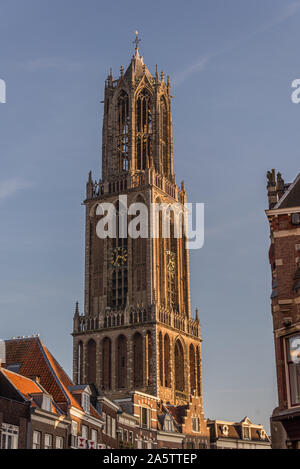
(246,433)
(86,402)
(46,403)
(225,430)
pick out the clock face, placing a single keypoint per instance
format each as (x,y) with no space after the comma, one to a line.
(171,261)
(118,257)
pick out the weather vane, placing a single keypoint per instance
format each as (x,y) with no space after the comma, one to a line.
(136,41)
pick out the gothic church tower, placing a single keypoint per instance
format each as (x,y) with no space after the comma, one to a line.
(137,332)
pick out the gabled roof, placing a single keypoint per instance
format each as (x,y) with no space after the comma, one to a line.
(246,420)
(291,197)
(25,386)
(36,361)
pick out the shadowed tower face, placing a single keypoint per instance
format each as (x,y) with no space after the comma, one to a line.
(136,332)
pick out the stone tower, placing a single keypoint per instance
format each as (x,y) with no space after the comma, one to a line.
(137,332)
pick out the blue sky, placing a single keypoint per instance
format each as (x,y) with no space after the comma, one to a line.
(231,66)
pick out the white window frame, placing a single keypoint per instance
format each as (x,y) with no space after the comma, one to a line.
(85,432)
(104,423)
(74,428)
(94,435)
(248,429)
(113,428)
(46,404)
(108,425)
(59,442)
(86,402)
(9,436)
(48,441)
(36,440)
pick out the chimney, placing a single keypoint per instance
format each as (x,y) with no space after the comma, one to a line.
(275,187)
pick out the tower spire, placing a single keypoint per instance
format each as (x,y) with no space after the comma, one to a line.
(136,42)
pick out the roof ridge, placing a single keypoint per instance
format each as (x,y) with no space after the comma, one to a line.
(42,346)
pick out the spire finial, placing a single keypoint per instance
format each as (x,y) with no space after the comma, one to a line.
(136,42)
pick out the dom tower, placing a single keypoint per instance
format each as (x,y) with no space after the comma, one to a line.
(137,332)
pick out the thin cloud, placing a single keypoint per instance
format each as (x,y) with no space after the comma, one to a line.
(201,63)
(11,187)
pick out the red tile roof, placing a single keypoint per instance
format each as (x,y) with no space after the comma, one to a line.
(24,385)
(36,361)
(31,355)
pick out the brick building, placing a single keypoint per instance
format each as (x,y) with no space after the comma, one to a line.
(28,416)
(237,435)
(284,254)
(137,332)
(29,362)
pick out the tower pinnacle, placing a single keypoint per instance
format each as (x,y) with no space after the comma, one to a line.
(136,42)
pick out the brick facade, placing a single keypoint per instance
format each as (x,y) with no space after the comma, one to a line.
(284,256)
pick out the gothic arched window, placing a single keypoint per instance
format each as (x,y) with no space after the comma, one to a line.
(179,367)
(91,362)
(148,358)
(122,361)
(167,357)
(139,254)
(160,255)
(198,371)
(138,359)
(192,369)
(97,264)
(161,363)
(106,363)
(118,261)
(172,272)
(122,129)
(164,136)
(143,129)
(80,363)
